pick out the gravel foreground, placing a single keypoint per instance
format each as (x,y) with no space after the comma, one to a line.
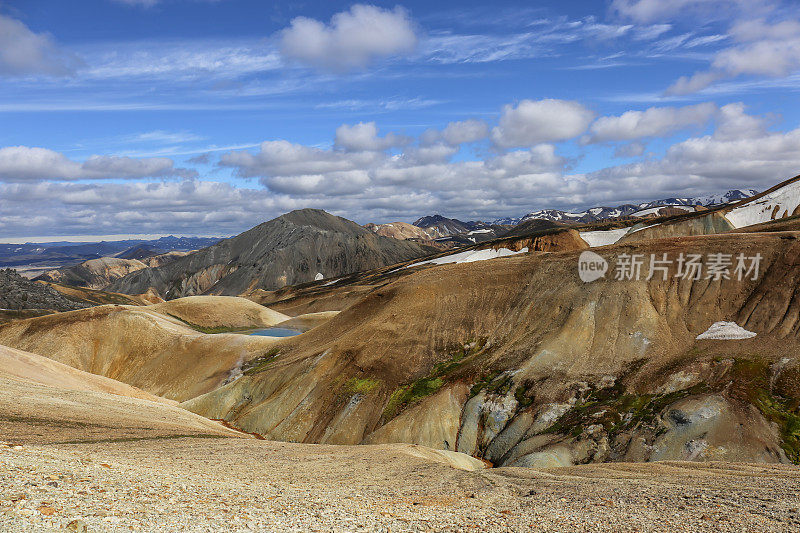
(199,484)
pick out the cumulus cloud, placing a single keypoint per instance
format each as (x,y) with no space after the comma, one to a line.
(367,183)
(352,39)
(653,122)
(740,152)
(364,137)
(711,163)
(456,133)
(301,170)
(198,207)
(428,154)
(23,52)
(23,163)
(200,159)
(766,49)
(533,122)
(282,158)
(734,123)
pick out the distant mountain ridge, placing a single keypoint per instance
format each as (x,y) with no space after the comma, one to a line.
(595,214)
(73,253)
(443,228)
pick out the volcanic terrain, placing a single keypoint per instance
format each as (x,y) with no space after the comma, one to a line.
(489,385)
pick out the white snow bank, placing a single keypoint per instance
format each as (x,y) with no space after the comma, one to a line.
(602,238)
(726,331)
(470,256)
(777,204)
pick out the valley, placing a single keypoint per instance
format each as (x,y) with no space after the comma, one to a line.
(312,341)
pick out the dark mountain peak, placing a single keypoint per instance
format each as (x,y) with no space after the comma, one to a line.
(433,220)
(320,219)
(297,247)
(142,251)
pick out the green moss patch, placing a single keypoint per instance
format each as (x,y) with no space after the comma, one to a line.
(523,396)
(616,410)
(414,392)
(261,363)
(784,413)
(409,395)
(751,383)
(356,385)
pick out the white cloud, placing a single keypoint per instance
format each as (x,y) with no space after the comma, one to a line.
(23,52)
(653,122)
(377,185)
(708,164)
(537,41)
(379,105)
(533,122)
(692,84)
(353,39)
(456,133)
(733,123)
(658,10)
(740,153)
(282,158)
(767,49)
(429,154)
(23,163)
(634,149)
(760,48)
(364,137)
(222,60)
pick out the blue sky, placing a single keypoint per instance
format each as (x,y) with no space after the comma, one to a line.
(207,117)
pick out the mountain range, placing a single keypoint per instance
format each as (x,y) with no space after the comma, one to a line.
(39,257)
(595,214)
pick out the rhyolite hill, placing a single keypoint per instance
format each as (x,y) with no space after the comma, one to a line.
(294,248)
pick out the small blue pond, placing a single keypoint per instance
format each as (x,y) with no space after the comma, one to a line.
(276,332)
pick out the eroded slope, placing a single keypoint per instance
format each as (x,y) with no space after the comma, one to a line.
(139,346)
(518,361)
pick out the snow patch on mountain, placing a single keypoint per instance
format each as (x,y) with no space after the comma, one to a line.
(780,203)
(470,256)
(595,214)
(603,238)
(729,331)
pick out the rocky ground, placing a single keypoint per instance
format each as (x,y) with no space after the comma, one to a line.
(17,293)
(195,484)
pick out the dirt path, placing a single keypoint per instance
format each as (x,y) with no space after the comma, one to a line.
(194,484)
